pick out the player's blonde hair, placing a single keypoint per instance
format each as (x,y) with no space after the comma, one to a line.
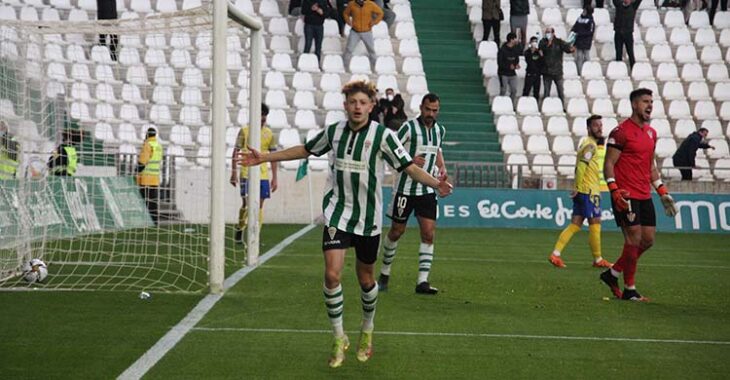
(367,88)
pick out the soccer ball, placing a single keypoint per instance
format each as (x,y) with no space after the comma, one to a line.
(35,270)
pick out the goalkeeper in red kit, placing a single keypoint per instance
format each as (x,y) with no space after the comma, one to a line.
(630,171)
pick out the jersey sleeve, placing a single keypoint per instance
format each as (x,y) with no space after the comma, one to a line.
(404,132)
(394,152)
(617,139)
(319,144)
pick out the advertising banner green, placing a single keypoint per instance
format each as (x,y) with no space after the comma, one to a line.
(62,207)
(507,208)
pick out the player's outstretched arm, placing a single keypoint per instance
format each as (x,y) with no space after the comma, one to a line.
(442,185)
(254,157)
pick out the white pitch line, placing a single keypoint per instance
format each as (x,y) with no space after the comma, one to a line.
(478,335)
(173,337)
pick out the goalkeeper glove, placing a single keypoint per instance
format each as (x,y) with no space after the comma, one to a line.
(667,201)
(618,195)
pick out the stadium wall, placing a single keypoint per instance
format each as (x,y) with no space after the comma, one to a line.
(506,208)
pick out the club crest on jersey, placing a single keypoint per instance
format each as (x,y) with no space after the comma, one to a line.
(367,144)
(332,231)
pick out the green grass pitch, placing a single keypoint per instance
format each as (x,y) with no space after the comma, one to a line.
(503,312)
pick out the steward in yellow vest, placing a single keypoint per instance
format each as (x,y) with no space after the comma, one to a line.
(8,156)
(64,159)
(148,173)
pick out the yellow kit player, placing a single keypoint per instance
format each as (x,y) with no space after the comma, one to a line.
(268,144)
(586,196)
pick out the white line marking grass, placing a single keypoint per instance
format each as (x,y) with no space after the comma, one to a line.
(475,335)
(175,335)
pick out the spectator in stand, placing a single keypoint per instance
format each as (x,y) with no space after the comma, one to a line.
(713,9)
(518,11)
(295,8)
(552,49)
(491,16)
(508,60)
(583,28)
(395,114)
(388,15)
(623,28)
(315,12)
(684,157)
(599,3)
(361,15)
(535,67)
(384,103)
(341,5)
(107,10)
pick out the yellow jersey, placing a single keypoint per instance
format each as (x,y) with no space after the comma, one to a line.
(587,167)
(267,145)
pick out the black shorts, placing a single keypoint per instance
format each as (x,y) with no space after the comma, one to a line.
(366,247)
(401,207)
(642,214)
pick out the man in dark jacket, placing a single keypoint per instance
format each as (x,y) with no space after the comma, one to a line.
(508,60)
(623,28)
(518,11)
(491,19)
(534,69)
(315,12)
(684,158)
(552,49)
(583,28)
(107,10)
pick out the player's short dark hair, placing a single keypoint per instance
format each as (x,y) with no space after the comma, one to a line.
(639,92)
(589,121)
(367,88)
(703,129)
(264,110)
(431,97)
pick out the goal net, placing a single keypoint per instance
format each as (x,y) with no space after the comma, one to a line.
(100,87)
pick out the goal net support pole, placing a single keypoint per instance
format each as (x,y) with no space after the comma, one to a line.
(222,10)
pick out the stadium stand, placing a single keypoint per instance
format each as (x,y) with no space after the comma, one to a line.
(684,67)
(165,79)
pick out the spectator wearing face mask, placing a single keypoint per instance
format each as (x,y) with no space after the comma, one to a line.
(623,28)
(395,114)
(508,60)
(552,49)
(386,101)
(533,72)
(583,28)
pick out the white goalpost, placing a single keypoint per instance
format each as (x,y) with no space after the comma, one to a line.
(177,73)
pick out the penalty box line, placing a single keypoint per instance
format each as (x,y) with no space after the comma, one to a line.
(140,367)
(476,335)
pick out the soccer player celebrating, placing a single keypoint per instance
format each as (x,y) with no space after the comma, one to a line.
(268,144)
(352,204)
(586,197)
(422,139)
(630,171)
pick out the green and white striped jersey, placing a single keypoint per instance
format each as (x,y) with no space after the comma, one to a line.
(353,200)
(419,140)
